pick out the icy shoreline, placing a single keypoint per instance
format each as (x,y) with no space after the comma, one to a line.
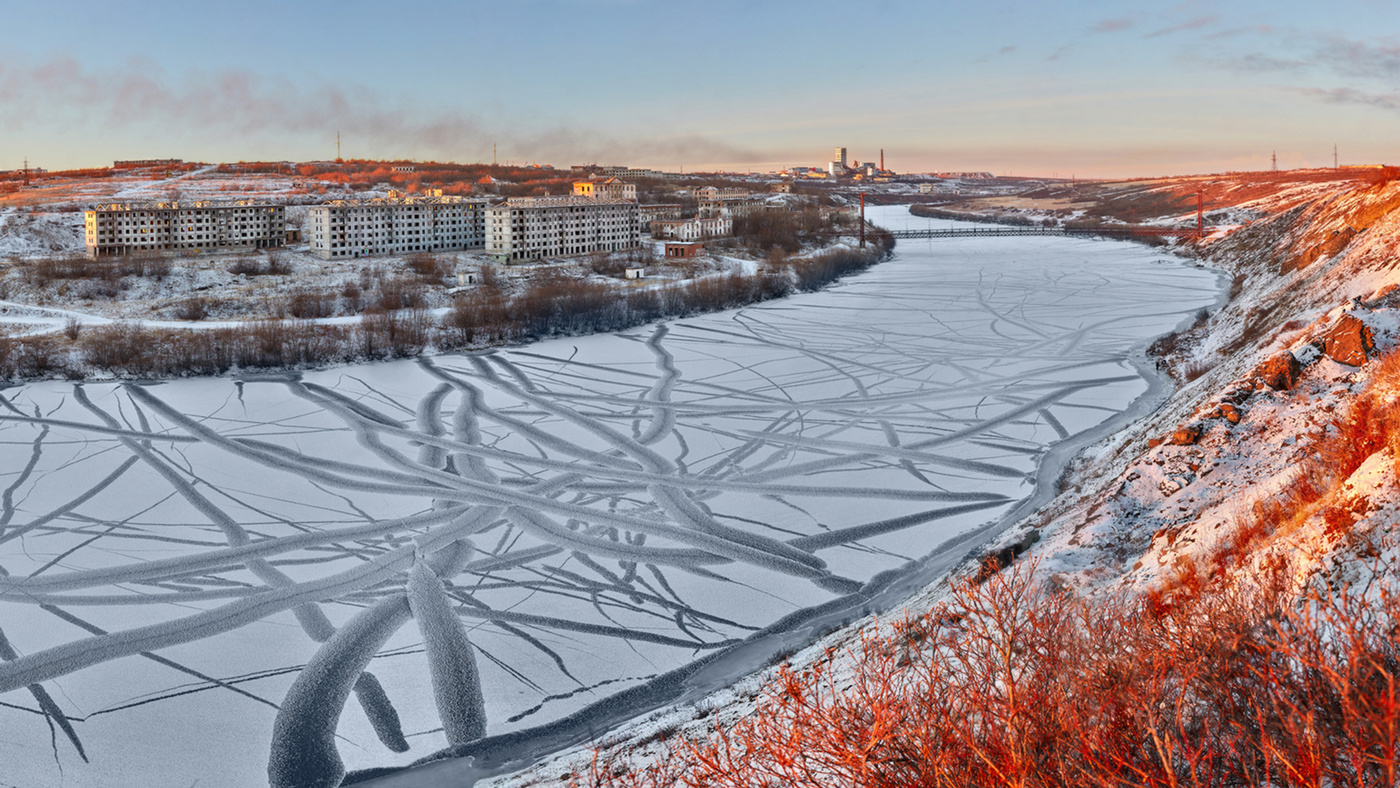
(725,684)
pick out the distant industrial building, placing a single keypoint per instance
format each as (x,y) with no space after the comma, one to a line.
(396,225)
(534,228)
(115,229)
(697,229)
(606,189)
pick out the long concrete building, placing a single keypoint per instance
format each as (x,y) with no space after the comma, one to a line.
(533,228)
(115,229)
(395,225)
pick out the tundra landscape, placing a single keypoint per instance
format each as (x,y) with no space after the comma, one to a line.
(536,394)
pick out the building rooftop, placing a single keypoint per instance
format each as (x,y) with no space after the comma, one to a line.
(551,202)
(176,206)
(410,199)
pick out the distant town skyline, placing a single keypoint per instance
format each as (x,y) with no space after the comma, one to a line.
(1090,89)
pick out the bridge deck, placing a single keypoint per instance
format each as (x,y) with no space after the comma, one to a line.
(985,232)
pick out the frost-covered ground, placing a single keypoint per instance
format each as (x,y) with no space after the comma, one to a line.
(596,512)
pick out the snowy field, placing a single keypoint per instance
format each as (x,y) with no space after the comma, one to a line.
(200,576)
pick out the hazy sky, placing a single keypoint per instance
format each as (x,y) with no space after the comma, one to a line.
(1026,87)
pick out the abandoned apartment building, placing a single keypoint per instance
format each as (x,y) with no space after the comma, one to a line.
(116,229)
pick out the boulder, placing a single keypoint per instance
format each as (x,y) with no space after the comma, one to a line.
(1280,371)
(1348,341)
(1230,412)
(1186,436)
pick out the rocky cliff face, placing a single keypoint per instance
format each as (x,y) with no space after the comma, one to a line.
(1278,451)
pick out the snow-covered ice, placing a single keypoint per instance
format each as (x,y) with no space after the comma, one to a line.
(598,510)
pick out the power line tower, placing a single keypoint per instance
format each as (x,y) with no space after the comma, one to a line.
(1274,159)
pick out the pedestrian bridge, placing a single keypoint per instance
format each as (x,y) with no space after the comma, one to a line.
(995,232)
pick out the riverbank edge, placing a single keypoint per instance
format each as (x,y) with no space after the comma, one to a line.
(129,351)
(801,638)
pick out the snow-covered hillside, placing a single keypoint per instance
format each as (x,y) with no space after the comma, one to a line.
(1275,459)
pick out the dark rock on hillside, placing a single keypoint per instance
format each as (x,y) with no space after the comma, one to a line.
(1348,341)
(1280,371)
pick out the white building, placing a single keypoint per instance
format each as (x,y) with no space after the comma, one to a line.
(710,193)
(650,213)
(606,189)
(730,207)
(533,228)
(114,229)
(697,229)
(395,225)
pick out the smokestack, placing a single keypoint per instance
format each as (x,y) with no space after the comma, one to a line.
(882,159)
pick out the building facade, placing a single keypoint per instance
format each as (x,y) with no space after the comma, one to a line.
(730,207)
(697,229)
(533,228)
(711,193)
(606,189)
(395,225)
(115,229)
(665,210)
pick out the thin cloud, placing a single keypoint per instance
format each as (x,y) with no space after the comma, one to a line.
(1193,24)
(1240,31)
(1257,62)
(1386,101)
(234,105)
(1117,25)
(1006,50)
(1359,58)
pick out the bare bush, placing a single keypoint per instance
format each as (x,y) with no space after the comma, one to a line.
(192,308)
(396,292)
(1008,684)
(247,266)
(430,267)
(277,263)
(310,304)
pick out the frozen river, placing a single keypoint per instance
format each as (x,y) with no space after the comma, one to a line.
(356,567)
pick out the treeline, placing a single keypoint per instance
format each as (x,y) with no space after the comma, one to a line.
(488,315)
(789,232)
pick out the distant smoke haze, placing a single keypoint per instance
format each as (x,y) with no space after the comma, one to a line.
(226,108)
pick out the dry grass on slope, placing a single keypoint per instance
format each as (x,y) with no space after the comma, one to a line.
(1008,684)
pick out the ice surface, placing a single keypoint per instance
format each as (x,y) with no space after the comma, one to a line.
(599,510)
